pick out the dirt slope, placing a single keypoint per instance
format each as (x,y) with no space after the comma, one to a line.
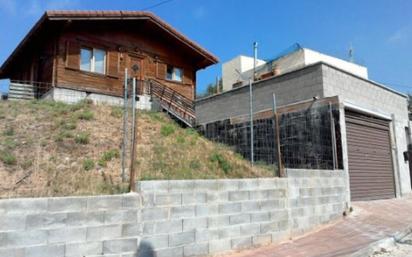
(54,149)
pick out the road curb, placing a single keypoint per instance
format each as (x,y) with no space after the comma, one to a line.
(386,243)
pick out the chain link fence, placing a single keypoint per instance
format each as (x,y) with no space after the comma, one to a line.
(309,136)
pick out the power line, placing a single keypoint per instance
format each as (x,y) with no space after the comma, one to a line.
(156,5)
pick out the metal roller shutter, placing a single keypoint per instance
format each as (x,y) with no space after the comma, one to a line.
(369,157)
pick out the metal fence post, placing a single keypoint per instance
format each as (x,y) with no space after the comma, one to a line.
(124,127)
(277,131)
(333,138)
(252,154)
(132,186)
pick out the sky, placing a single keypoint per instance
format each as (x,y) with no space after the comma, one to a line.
(379,31)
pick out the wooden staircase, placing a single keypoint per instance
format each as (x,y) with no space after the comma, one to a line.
(176,104)
(18,91)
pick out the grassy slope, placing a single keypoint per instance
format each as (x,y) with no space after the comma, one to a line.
(49,148)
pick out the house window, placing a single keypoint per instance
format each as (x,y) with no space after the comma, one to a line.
(173,73)
(93,60)
(86,56)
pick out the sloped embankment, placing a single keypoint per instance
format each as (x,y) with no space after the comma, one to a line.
(54,149)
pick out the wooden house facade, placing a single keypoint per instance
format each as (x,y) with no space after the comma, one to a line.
(90,50)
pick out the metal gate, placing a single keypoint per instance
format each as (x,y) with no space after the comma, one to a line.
(369,157)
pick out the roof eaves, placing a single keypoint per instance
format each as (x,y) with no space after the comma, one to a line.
(68,15)
(183,38)
(59,15)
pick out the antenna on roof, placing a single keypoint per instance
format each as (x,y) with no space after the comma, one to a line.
(351,53)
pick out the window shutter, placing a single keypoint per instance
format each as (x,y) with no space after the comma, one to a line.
(112,63)
(161,70)
(72,55)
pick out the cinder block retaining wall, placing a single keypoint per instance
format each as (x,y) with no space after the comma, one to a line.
(173,218)
(70,226)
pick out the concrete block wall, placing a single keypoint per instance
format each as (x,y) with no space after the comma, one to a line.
(201,217)
(70,226)
(315,197)
(173,218)
(289,88)
(205,217)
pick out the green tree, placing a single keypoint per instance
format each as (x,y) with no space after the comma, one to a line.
(212,89)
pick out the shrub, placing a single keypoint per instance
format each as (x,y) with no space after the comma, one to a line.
(82,138)
(191,132)
(56,107)
(62,135)
(26,164)
(9,131)
(88,164)
(86,115)
(108,156)
(8,158)
(221,162)
(9,143)
(167,130)
(116,112)
(180,139)
(195,165)
(71,125)
(155,116)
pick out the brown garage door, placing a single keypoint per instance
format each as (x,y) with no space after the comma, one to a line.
(369,157)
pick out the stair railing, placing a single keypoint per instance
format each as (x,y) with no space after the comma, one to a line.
(174,102)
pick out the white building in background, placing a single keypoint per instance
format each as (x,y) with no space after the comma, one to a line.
(233,71)
(236,72)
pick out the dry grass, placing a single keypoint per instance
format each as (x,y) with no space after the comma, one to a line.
(54,149)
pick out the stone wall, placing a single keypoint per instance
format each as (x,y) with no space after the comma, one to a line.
(173,218)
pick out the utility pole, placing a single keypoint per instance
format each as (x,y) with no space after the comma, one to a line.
(252,140)
(132,186)
(126,82)
(255,48)
(217,85)
(252,153)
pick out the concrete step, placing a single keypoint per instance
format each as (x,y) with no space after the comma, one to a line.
(15,98)
(20,95)
(13,92)
(21,89)
(21,86)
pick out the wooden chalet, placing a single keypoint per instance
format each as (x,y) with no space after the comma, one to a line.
(89,51)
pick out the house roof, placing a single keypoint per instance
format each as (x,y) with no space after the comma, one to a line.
(50,16)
